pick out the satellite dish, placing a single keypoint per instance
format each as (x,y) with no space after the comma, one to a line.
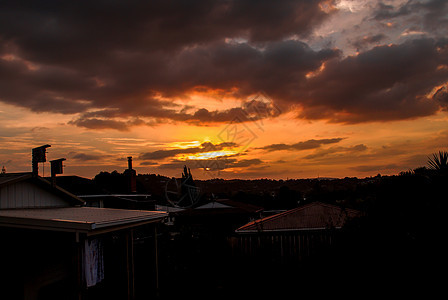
(181,193)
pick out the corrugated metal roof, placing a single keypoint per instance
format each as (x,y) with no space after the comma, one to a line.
(315,215)
(82,219)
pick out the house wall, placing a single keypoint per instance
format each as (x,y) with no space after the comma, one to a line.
(28,195)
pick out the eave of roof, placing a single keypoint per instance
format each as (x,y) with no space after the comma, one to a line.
(77,219)
(114,195)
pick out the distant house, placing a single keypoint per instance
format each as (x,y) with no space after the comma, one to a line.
(219,217)
(124,194)
(94,196)
(197,256)
(123,201)
(292,235)
(78,185)
(53,247)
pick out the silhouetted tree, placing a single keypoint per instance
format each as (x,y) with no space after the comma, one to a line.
(420,171)
(111,182)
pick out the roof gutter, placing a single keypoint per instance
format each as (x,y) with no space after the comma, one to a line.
(77,226)
(55,224)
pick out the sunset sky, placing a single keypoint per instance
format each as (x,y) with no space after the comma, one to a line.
(230,88)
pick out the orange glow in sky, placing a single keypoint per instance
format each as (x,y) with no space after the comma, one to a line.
(293,89)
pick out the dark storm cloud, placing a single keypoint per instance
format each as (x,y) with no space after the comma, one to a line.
(363,42)
(93,123)
(384,83)
(441,95)
(42,89)
(305,145)
(218,66)
(117,65)
(72,57)
(94,26)
(434,12)
(244,163)
(385,11)
(381,84)
(337,150)
(203,148)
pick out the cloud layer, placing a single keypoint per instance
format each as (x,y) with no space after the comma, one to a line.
(116,65)
(304,145)
(203,148)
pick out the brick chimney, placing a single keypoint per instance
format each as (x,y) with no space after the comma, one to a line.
(131,177)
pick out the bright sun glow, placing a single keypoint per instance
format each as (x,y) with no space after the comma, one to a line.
(211,155)
(185,145)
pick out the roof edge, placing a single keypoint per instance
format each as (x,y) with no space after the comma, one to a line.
(250,231)
(17,177)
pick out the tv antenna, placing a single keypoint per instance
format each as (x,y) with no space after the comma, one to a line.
(180,194)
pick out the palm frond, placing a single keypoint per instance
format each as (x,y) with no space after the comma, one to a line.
(438,161)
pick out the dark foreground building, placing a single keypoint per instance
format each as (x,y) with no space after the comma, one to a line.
(53,247)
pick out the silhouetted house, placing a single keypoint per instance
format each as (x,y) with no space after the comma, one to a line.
(78,185)
(292,235)
(196,250)
(125,196)
(218,217)
(122,201)
(95,196)
(53,247)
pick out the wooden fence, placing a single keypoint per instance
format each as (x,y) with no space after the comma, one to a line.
(281,247)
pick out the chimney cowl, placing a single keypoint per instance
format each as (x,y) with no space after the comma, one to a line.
(131,175)
(130,162)
(38,155)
